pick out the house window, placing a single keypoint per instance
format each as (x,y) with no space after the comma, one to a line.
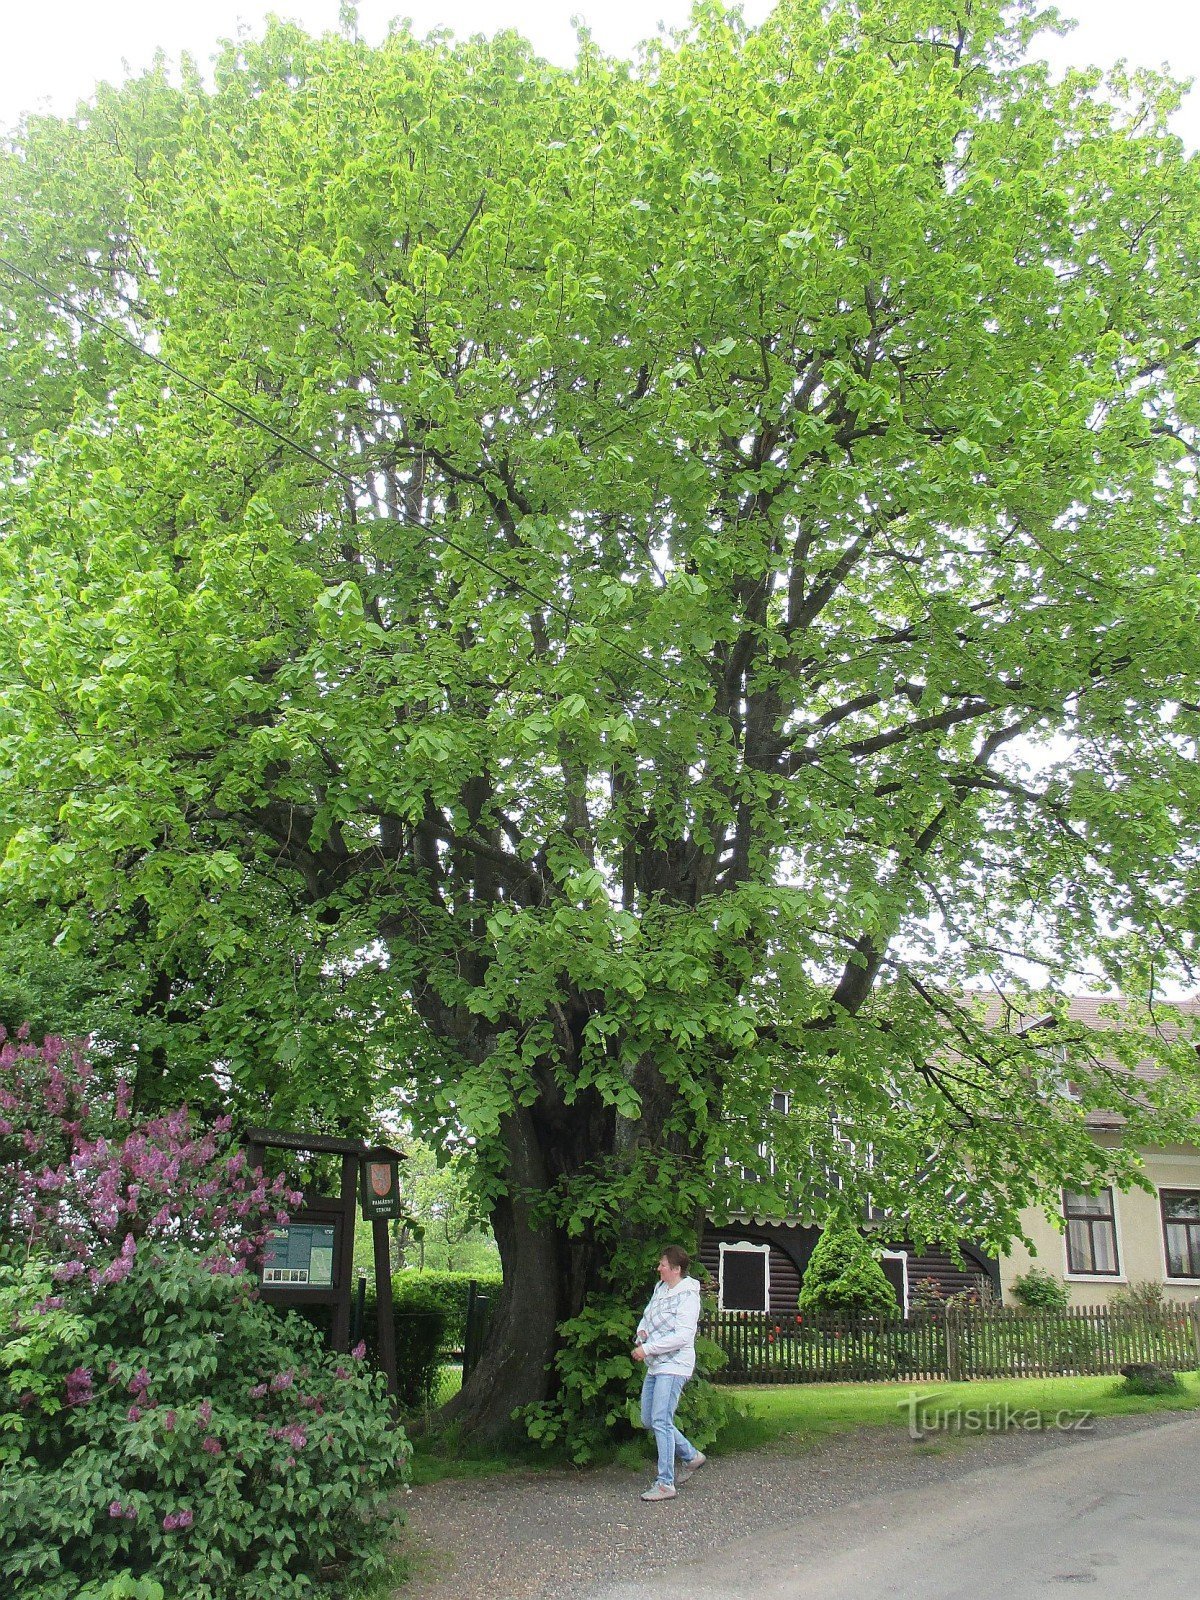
(765,1168)
(1091,1234)
(895,1270)
(744,1283)
(1181,1231)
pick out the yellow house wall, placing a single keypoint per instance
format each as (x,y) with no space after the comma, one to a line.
(1140,1248)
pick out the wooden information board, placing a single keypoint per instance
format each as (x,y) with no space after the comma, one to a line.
(309,1262)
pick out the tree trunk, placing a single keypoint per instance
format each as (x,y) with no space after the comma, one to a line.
(513,1370)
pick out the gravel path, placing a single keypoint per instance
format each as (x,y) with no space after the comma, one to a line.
(569,1535)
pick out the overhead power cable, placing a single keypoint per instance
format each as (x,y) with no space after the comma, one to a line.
(407,519)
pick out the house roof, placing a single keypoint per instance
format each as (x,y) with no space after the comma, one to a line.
(1100,1014)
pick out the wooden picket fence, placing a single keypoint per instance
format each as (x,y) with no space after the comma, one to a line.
(985,1342)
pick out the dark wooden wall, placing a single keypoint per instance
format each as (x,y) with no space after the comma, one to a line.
(791,1248)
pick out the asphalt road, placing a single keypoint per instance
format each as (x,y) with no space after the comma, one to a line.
(1113,1518)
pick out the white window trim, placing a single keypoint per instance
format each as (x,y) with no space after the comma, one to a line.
(902,1257)
(1187,1188)
(744,1247)
(1119,1276)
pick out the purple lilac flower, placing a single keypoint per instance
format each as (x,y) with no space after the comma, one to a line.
(360,1350)
(117,1270)
(79,1386)
(210,1446)
(281,1380)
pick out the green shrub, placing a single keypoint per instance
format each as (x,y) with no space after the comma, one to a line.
(445,1292)
(1147,1299)
(123,1587)
(430,1319)
(421,1341)
(1147,1378)
(1073,1346)
(844,1275)
(926,1296)
(1040,1290)
(598,1400)
(37,1338)
(194,1438)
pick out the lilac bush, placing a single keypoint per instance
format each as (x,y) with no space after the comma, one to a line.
(159,1425)
(204,1441)
(79,1176)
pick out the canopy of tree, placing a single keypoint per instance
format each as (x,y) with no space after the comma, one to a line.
(732,586)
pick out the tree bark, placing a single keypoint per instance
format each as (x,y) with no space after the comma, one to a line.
(537,1295)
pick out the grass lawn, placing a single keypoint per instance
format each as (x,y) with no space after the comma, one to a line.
(803,1413)
(799,1414)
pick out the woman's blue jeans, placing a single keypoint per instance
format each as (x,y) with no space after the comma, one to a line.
(660,1396)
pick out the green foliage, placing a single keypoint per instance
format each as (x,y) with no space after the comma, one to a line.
(446,1227)
(421,1340)
(37,1338)
(202,1443)
(926,1295)
(1146,1299)
(430,1310)
(705,1409)
(123,1587)
(843,1275)
(1041,1290)
(1146,1378)
(597,1404)
(752,447)
(596,1374)
(444,1292)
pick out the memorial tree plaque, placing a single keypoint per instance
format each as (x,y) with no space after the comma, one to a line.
(380,1186)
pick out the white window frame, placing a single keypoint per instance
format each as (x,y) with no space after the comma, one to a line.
(902,1257)
(1095,1277)
(743,1247)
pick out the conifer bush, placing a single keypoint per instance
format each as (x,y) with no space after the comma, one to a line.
(843,1275)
